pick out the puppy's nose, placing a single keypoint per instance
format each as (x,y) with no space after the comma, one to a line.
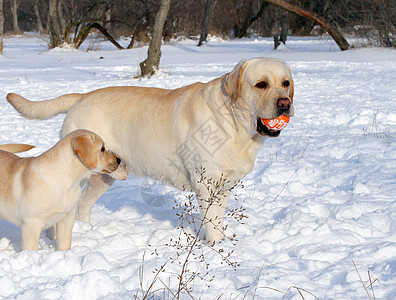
(284,104)
(118,161)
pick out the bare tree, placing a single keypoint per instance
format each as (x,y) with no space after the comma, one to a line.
(55,39)
(280,37)
(336,35)
(373,19)
(380,15)
(83,33)
(284,28)
(61,18)
(150,65)
(14,12)
(250,18)
(205,23)
(1,27)
(40,25)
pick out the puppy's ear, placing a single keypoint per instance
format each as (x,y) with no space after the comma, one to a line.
(232,81)
(84,147)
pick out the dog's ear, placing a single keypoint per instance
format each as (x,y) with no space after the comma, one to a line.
(291,90)
(232,81)
(84,147)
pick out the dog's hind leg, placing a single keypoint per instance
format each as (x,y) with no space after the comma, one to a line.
(97,185)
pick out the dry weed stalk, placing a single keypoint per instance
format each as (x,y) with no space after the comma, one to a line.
(189,246)
(368,284)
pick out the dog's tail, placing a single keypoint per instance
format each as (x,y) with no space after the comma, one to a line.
(45,109)
(16,148)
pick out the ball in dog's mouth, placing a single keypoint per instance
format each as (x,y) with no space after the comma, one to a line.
(272,127)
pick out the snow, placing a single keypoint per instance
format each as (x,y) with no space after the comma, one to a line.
(320,198)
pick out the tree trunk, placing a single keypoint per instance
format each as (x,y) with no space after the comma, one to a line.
(38,17)
(61,20)
(276,41)
(107,24)
(84,31)
(280,37)
(335,34)
(1,27)
(150,65)
(132,42)
(205,23)
(55,40)
(284,28)
(249,20)
(242,26)
(14,13)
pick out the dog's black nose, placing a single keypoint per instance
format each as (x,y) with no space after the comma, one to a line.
(118,161)
(284,104)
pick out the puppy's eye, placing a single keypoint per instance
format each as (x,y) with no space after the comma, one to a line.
(102,149)
(262,85)
(286,83)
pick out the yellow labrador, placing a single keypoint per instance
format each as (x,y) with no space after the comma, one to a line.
(38,192)
(170,134)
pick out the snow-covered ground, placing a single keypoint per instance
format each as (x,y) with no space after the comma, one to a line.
(320,198)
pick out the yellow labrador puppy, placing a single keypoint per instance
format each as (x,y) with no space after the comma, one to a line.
(38,192)
(169,135)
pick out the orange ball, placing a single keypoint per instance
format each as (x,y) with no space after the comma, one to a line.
(276,124)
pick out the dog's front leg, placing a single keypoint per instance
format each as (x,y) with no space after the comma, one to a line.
(64,231)
(30,235)
(212,206)
(97,185)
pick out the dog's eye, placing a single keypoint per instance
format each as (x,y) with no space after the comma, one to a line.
(286,83)
(262,85)
(102,149)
